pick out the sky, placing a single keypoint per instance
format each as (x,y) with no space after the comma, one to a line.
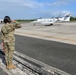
(32,9)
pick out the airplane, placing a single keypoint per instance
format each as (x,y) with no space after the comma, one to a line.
(51,21)
(43,21)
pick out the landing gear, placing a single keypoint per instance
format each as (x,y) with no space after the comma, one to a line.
(51,24)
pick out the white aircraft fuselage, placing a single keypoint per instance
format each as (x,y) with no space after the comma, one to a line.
(51,21)
(44,21)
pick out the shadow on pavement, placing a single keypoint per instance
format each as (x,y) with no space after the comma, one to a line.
(2,56)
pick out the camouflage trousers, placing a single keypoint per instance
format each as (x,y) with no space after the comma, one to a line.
(9,51)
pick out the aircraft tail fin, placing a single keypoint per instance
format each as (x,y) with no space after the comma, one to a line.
(67,17)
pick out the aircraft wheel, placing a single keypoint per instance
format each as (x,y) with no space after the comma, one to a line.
(51,24)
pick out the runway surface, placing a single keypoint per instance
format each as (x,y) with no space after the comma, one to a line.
(56,54)
(59,55)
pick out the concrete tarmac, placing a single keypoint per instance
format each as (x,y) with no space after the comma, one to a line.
(2,72)
(61,32)
(55,54)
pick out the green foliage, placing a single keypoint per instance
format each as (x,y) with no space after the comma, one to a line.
(73,19)
(19,20)
(30,20)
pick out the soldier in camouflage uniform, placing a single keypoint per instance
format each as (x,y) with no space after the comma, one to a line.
(8,40)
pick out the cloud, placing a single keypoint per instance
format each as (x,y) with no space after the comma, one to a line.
(25,3)
(32,8)
(35,3)
(62,0)
(59,3)
(61,13)
(31,3)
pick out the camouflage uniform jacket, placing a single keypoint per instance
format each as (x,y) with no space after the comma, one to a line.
(8,32)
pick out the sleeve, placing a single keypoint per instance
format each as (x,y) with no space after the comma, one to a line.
(17,25)
(7,29)
(4,31)
(2,36)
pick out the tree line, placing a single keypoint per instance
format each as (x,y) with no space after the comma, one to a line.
(30,20)
(23,20)
(73,19)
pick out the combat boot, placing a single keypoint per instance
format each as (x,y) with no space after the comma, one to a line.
(10,66)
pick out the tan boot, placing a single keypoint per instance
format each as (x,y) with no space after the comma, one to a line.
(10,66)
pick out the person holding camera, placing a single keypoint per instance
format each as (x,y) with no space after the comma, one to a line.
(8,40)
